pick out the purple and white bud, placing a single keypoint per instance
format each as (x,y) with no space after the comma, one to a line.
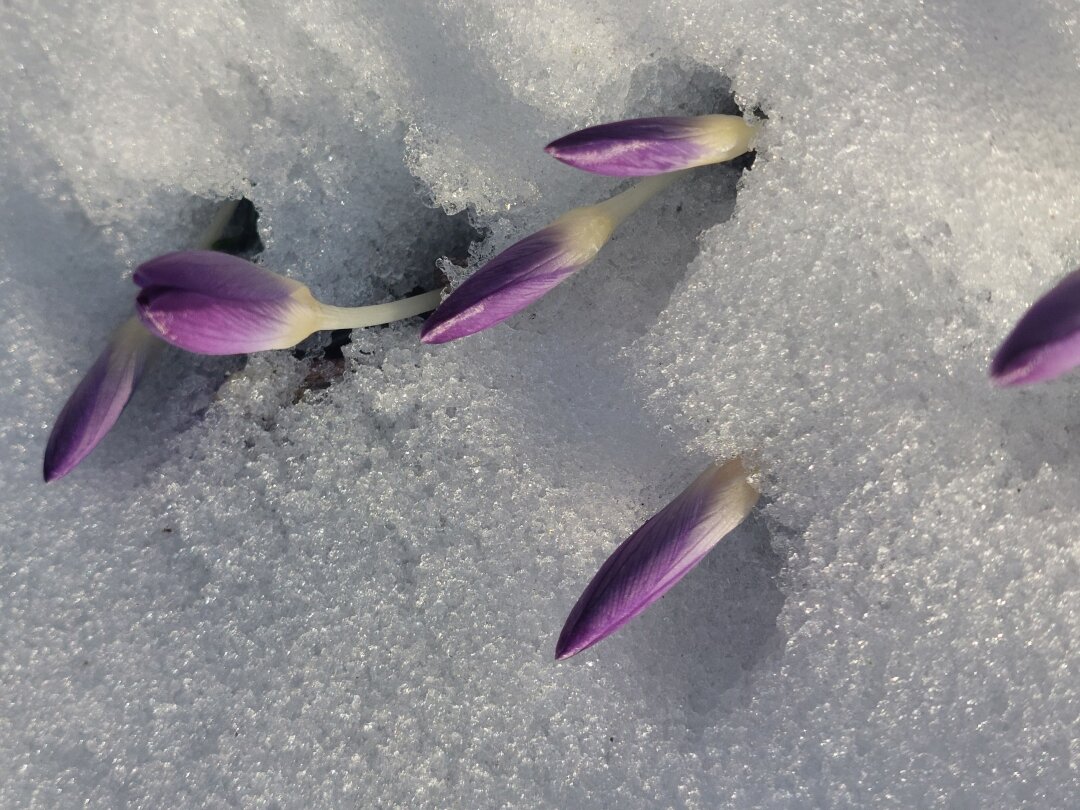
(645,146)
(659,554)
(1045,343)
(96,404)
(529,269)
(214,303)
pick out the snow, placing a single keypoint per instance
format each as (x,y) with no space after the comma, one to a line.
(263,593)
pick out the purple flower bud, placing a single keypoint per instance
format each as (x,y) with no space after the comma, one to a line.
(658,555)
(97,402)
(646,146)
(528,269)
(517,277)
(1045,343)
(214,303)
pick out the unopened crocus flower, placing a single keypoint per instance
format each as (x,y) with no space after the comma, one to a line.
(659,554)
(528,269)
(1045,343)
(98,400)
(646,146)
(213,303)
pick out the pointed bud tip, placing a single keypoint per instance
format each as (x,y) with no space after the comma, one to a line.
(1026,370)
(50,473)
(1041,363)
(1006,377)
(1045,342)
(437,332)
(570,645)
(432,333)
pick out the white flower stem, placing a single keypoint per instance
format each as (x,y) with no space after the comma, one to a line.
(331,317)
(623,205)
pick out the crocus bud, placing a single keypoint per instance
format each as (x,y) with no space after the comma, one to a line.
(658,555)
(646,146)
(519,275)
(97,402)
(1045,343)
(214,303)
(528,269)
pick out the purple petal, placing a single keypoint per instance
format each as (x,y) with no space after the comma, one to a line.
(511,281)
(213,303)
(214,274)
(97,402)
(658,555)
(1045,342)
(646,146)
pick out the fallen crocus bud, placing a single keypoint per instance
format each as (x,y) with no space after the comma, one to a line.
(658,555)
(1045,343)
(214,303)
(646,146)
(528,269)
(97,402)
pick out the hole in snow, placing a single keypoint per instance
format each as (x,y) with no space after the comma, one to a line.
(240,236)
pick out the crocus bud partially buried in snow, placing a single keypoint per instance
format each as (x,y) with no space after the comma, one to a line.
(214,303)
(1045,343)
(646,146)
(528,269)
(96,404)
(659,554)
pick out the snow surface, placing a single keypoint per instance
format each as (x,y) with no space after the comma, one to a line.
(261,593)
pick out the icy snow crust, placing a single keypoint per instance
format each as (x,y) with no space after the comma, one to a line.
(259,595)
